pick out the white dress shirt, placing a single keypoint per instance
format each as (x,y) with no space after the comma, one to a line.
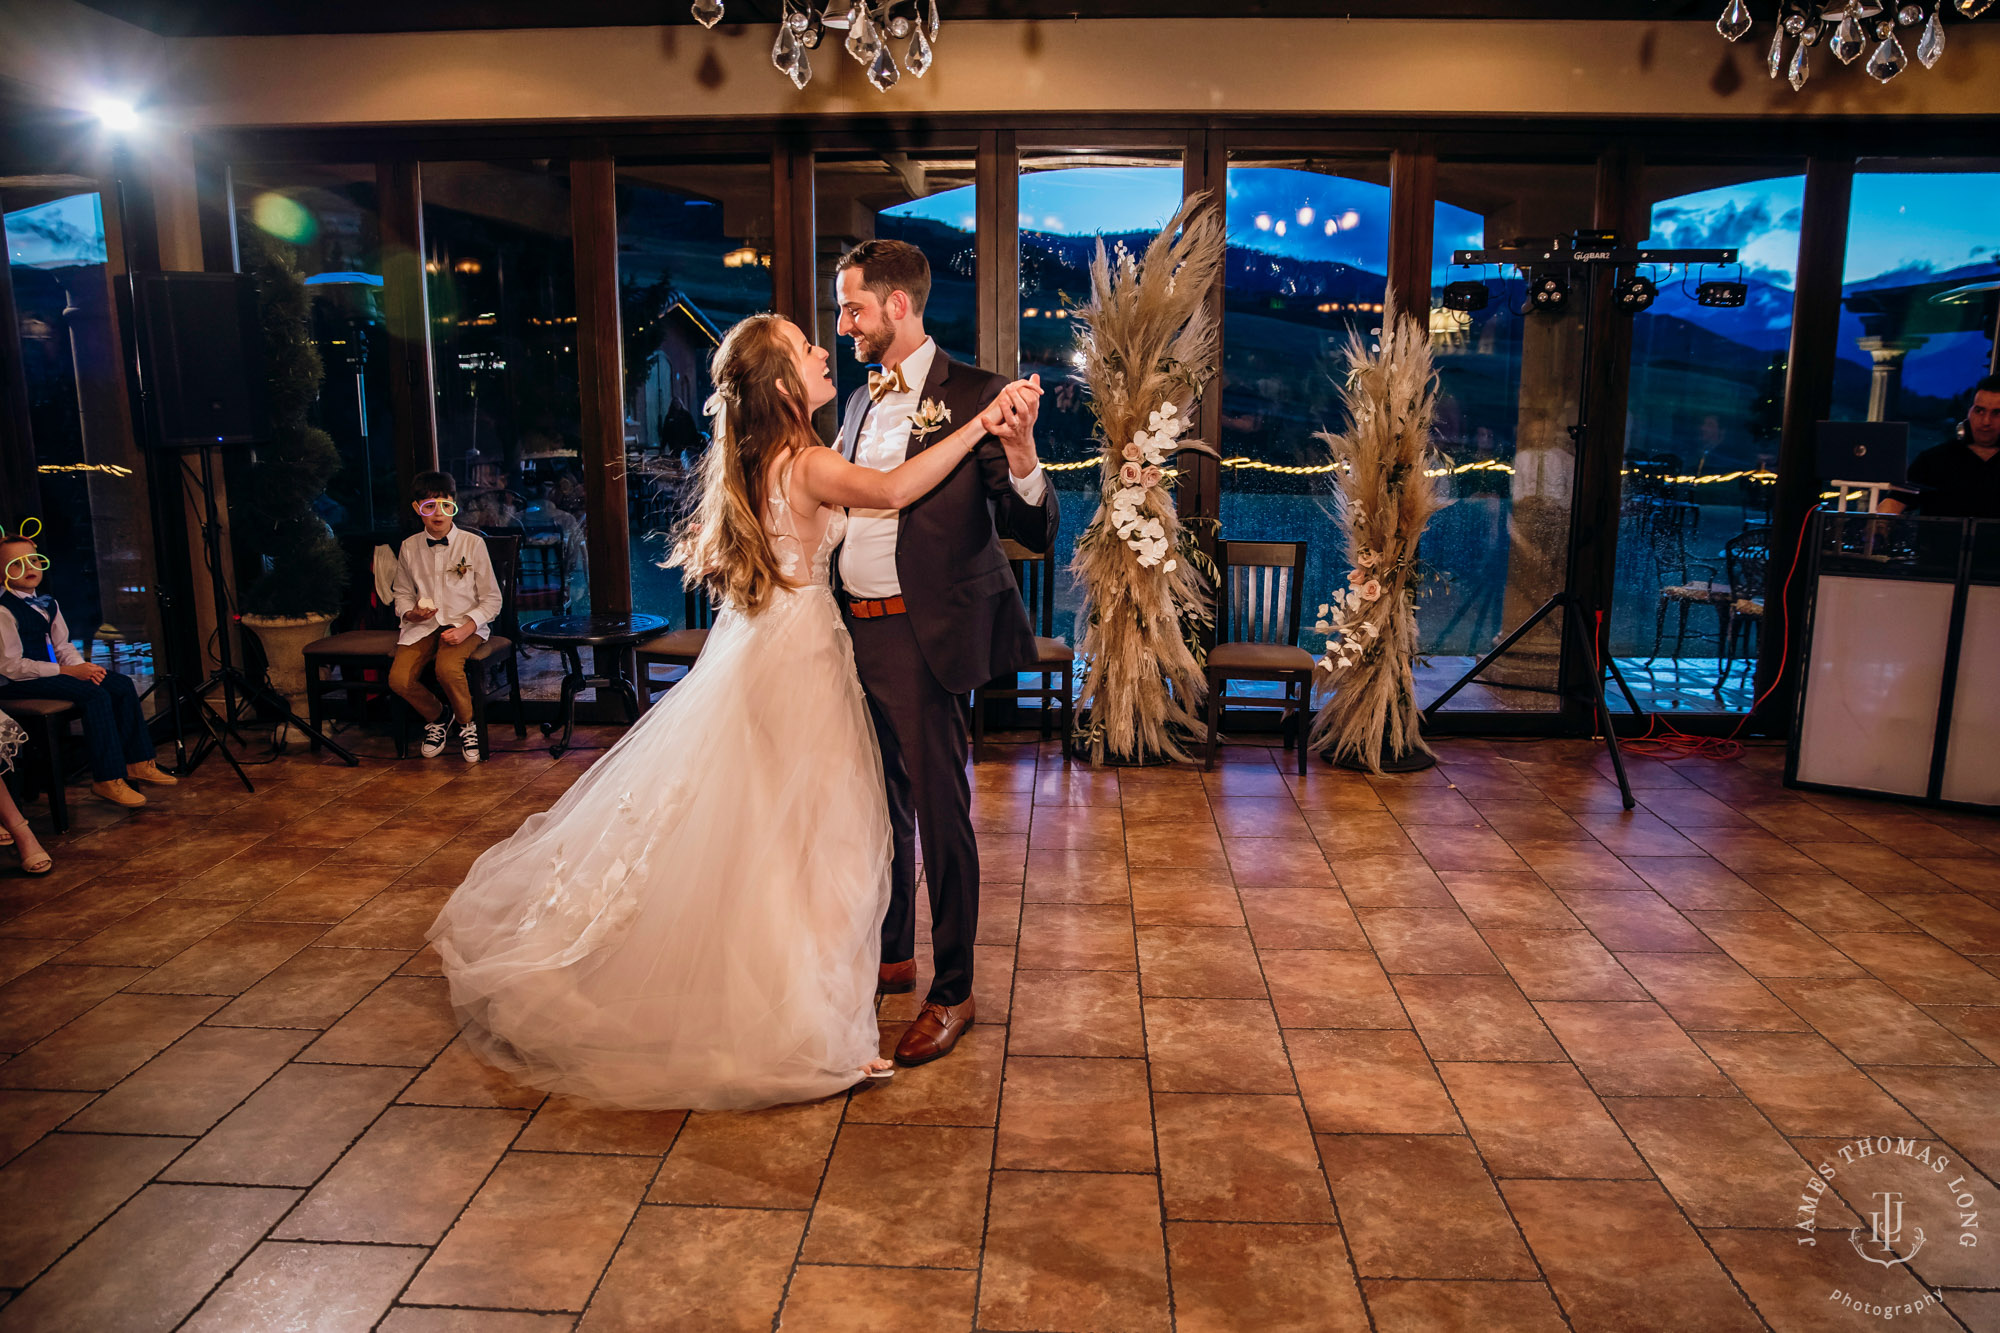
(457,577)
(868,556)
(16,667)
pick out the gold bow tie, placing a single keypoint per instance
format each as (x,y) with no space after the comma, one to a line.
(883,383)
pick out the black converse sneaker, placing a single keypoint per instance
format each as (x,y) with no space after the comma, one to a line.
(468,742)
(434,739)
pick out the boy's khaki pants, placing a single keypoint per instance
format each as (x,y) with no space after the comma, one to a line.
(411,658)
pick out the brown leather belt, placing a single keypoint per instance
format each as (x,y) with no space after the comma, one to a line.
(865,610)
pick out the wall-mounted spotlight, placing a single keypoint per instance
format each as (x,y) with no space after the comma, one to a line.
(1636,293)
(1549,293)
(115,115)
(1722,294)
(1465,296)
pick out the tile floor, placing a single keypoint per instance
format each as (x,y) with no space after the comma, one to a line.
(1469,1049)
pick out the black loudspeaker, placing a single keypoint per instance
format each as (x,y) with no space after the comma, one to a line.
(201,360)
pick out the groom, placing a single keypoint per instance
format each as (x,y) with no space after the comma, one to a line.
(933,609)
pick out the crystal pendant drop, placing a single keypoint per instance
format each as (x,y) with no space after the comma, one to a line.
(900,26)
(1972,9)
(1888,61)
(785,51)
(1930,47)
(927,17)
(1735,20)
(863,41)
(1910,15)
(1848,39)
(882,71)
(918,58)
(1801,68)
(1776,60)
(1795,24)
(800,70)
(798,20)
(707,13)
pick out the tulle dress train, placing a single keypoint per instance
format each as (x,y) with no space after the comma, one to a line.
(696,922)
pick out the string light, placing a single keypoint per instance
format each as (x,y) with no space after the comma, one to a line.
(1759,475)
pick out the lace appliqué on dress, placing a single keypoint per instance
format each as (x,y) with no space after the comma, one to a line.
(589,903)
(12,737)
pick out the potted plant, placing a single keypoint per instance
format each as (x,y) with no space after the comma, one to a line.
(295,598)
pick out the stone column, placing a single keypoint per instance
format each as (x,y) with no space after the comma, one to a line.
(1885,386)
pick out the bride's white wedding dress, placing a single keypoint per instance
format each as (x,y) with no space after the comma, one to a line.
(695,923)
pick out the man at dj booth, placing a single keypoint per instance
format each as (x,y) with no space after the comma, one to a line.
(1961,477)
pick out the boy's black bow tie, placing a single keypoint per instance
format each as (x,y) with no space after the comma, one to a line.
(437,541)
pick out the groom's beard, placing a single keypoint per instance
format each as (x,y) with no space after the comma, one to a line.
(870,347)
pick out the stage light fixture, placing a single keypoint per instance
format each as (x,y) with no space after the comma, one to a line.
(115,115)
(1636,293)
(1725,295)
(1465,296)
(1549,293)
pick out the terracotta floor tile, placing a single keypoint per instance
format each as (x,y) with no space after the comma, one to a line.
(1539,1120)
(1574,865)
(1978,1026)
(1348,834)
(1163,803)
(882,1176)
(1871,867)
(1721,1160)
(192,853)
(1451,848)
(1753,851)
(1075,1115)
(1274,1279)
(21,956)
(1076,1013)
(852,1300)
(1075,826)
(1534,820)
(1418,805)
(1462,1307)
(1091,874)
(1254,778)
(762,1159)
(1772,944)
(1562,965)
(564,1124)
(1803,1085)
(1857,1180)
(1300,917)
(1184,898)
(1790,1283)
(1642,922)
(105,1044)
(1074,1252)
(1065,937)
(153,934)
(711,1270)
(152,1262)
(1391,881)
(1370,1083)
(322,1287)
(1826,902)
(1957,1103)
(229,961)
(314,990)
(963,1090)
(1920,969)
(1330,989)
(83,911)
(1188,845)
(1215,1046)
(1238,1159)
(192,1084)
(1658,1277)
(290,1130)
(407,1177)
(325,895)
(399,917)
(1421,1206)
(40,1001)
(1426,940)
(1001,811)
(56,1191)
(498,1253)
(1202,962)
(1632,1049)
(1259,817)
(25,1116)
(1710,991)
(1475,1018)
(1515,900)
(1872,1025)
(1275,861)
(1637,832)
(1686,810)
(1697,883)
(1959,920)
(404,1021)
(458,1077)
(1968,873)
(253,874)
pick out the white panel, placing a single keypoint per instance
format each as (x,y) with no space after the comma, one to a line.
(1875,672)
(1972,757)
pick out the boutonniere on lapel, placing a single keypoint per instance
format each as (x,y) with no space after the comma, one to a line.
(928,418)
(459,570)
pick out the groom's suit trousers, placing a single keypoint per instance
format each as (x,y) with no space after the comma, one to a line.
(922,732)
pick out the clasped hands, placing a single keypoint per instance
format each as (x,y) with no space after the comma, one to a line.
(454,636)
(1010,418)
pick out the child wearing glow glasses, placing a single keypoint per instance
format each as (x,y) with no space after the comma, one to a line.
(447,598)
(38,661)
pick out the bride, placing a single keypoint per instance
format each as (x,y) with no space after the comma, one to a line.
(696,922)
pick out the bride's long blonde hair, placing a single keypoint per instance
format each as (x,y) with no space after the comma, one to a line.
(722,542)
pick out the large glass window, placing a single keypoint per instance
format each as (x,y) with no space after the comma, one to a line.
(1068,203)
(1918,296)
(502,290)
(1701,436)
(1307,266)
(324,218)
(96,526)
(1508,393)
(694,257)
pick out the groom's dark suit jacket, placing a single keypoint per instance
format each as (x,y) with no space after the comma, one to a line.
(963,603)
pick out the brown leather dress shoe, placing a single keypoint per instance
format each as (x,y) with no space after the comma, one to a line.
(896,978)
(116,792)
(148,771)
(936,1030)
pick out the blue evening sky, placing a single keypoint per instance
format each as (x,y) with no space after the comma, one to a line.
(58,234)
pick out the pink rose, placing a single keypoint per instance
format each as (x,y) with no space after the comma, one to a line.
(1130,474)
(1151,476)
(1372,589)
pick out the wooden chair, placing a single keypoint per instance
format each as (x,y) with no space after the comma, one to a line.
(351,667)
(47,723)
(498,660)
(677,647)
(1035,575)
(1260,593)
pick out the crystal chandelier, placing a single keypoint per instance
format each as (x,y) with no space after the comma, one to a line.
(871,26)
(1847,29)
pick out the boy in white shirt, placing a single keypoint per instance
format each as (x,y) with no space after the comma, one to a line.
(447,597)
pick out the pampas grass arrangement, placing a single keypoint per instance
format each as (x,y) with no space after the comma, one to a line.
(1385,495)
(1148,343)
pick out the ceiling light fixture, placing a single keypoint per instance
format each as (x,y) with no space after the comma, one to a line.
(1847,29)
(871,25)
